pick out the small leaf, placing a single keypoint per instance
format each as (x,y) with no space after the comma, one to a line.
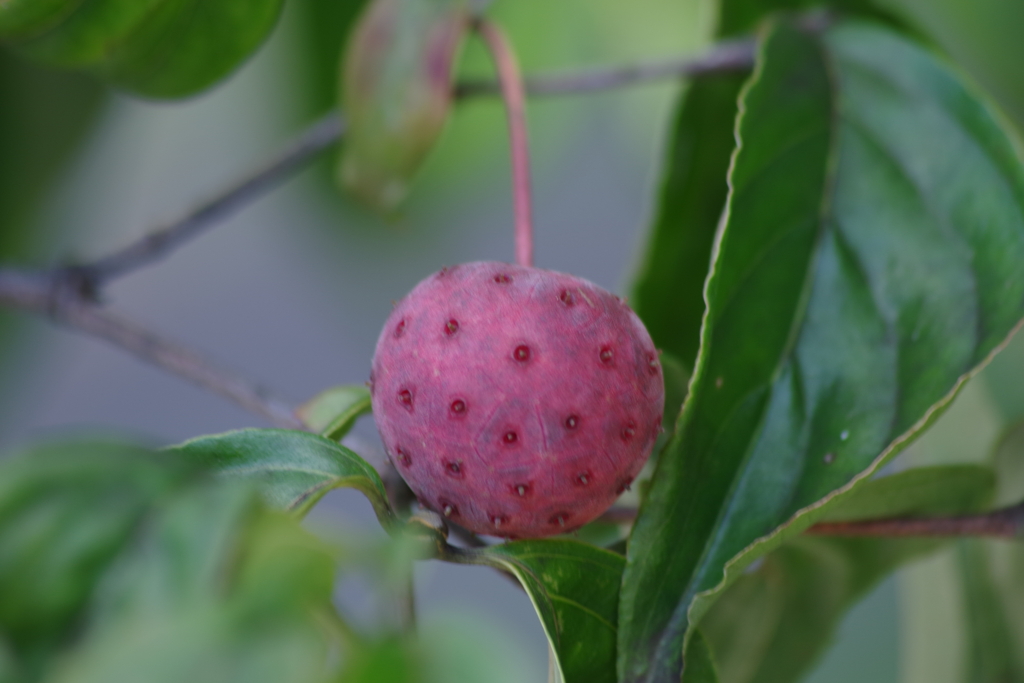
(157,48)
(292,470)
(575,589)
(397,85)
(778,617)
(871,259)
(333,413)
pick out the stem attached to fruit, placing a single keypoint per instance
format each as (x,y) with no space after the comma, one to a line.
(514,95)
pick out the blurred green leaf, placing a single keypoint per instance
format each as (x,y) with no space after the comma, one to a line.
(445,649)
(334,412)
(872,257)
(743,16)
(396,92)
(43,116)
(982,37)
(66,510)
(326,26)
(964,610)
(156,48)
(575,589)
(292,470)
(668,294)
(700,662)
(121,564)
(776,619)
(200,644)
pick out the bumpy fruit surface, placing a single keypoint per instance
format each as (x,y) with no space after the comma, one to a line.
(516,401)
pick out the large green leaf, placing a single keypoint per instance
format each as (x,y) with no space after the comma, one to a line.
(668,294)
(293,470)
(871,258)
(575,589)
(157,48)
(774,621)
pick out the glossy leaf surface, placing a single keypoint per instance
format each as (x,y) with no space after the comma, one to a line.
(291,469)
(872,257)
(776,619)
(157,48)
(396,92)
(575,589)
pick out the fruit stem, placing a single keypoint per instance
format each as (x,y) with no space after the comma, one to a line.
(514,95)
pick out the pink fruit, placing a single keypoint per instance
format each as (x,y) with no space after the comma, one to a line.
(516,401)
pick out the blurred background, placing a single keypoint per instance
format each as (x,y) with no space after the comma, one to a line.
(292,291)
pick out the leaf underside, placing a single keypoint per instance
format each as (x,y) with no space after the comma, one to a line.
(574,588)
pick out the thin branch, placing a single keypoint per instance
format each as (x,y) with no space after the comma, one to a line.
(59,296)
(293,157)
(1003,523)
(512,93)
(618,515)
(726,57)
(735,56)
(70,295)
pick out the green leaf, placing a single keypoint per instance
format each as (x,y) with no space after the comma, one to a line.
(396,92)
(334,412)
(778,617)
(43,118)
(325,25)
(922,491)
(292,470)
(156,48)
(575,589)
(964,609)
(215,589)
(743,16)
(121,564)
(871,259)
(700,664)
(66,510)
(668,294)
